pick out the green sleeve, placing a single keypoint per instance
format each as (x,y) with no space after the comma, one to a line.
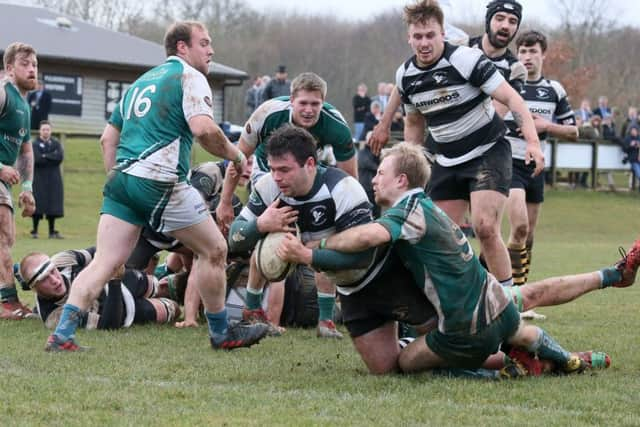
(243,235)
(116,117)
(392,220)
(328,259)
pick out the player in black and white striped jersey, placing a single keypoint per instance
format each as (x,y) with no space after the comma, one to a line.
(548,103)
(449,89)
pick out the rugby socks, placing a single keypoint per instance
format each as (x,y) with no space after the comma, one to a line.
(162,270)
(68,323)
(507,283)
(326,302)
(113,312)
(8,293)
(548,349)
(527,266)
(218,324)
(405,341)
(254,298)
(609,276)
(519,263)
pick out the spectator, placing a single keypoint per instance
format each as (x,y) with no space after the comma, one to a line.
(383,96)
(603,109)
(279,86)
(361,103)
(630,122)
(372,117)
(605,129)
(632,147)
(584,113)
(263,84)
(47,180)
(40,102)
(252,98)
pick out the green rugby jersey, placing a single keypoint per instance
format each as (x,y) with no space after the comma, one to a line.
(15,123)
(441,259)
(153,118)
(331,129)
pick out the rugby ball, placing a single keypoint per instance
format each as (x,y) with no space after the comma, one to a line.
(270,265)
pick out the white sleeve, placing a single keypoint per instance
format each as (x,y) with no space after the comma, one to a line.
(197,99)
(253,126)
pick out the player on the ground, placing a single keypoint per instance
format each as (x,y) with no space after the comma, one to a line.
(548,102)
(146,148)
(16,163)
(306,108)
(297,191)
(474,314)
(133,298)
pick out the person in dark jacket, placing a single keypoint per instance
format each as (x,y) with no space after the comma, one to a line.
(278,86)
(47,180)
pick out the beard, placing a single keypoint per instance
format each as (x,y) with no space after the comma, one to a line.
(493,38)
(26,84)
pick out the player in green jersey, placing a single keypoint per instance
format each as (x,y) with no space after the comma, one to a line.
(146,149)
(475,315)
(16,163)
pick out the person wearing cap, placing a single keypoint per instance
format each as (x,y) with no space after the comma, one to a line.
(132,298)
(278,86)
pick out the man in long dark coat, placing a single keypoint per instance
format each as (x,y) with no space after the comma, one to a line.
(47,180)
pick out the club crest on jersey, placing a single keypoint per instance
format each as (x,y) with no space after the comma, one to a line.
(318,215)
(207,101)
(247,128)
(440,77)
(542,93)
(22,132)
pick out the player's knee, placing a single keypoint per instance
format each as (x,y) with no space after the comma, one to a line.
(486,229)
(520,231)
(215,254)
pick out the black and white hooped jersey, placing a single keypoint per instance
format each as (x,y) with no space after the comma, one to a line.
(546,98)
(511,69)
(69,263)
(336,202)
(454,95)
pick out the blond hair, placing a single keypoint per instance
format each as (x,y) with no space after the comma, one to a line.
(15,49)
(411,160)
(421,11)
(310,82)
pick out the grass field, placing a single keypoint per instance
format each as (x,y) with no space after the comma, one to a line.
(164,376)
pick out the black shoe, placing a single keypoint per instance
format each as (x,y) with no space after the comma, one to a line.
(240,335)
(55,235)
(34,234)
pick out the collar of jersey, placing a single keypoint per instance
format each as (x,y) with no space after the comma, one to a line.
(406,194)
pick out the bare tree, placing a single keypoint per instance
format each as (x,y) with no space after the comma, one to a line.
(112,14)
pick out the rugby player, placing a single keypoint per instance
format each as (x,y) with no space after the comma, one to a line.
(475,315)
(16,163)
(449,89)
(306,108)
(133,298)
(548,102)
(297,191)
(146,149)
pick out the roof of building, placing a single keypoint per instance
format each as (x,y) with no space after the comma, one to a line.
(66,39)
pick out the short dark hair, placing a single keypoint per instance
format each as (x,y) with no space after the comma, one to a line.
(44,122)
(294,140)
(530,38)
(179,31)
